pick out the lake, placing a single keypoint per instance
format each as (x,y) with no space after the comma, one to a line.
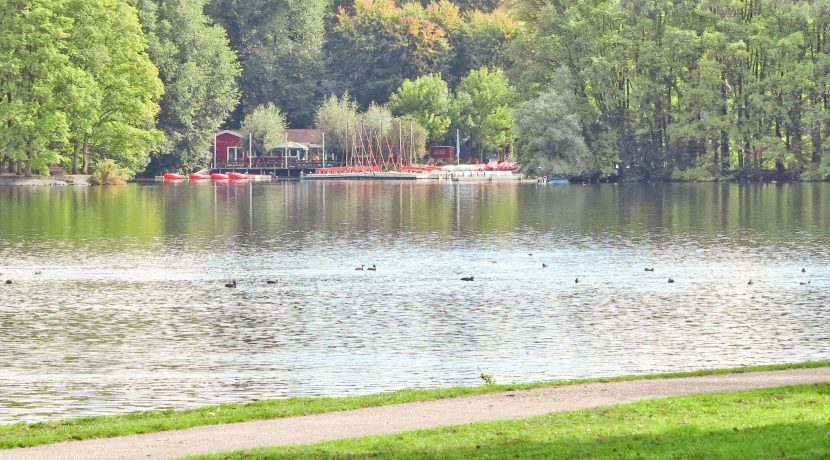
(130,311)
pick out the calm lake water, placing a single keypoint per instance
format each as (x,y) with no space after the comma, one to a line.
(130,312)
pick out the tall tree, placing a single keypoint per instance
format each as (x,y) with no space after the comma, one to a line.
(427,99)
(199,71)
(280,46)
(482,110)
(266,124)
(36,78)
(107,43)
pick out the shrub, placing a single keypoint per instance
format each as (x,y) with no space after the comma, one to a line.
(107,172)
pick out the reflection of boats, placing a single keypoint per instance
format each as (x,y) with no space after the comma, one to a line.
(197,176)
(219,176)
(237,176)
(172,176)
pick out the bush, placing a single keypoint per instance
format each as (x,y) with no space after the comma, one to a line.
(107,172)
(697,174)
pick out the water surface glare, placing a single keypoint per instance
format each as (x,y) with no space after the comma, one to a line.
(130,311)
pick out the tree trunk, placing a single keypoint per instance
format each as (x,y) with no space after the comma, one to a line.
(86,155)
(76,149)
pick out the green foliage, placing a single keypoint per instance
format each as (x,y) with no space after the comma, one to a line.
(550,138)
(338,118)
(199,71)
(280,46)
(76,79)
(427,99)
(266,124)
(741,87)
(36,78)
(107,172)
(482,110)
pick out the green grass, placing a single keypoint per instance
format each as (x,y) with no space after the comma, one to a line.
(791,422)
(33,434)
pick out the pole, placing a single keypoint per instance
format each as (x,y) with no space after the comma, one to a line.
(214,150)
(457,147)
(250,148)
(400,142)
(411,143)
(324,149)
(285,154)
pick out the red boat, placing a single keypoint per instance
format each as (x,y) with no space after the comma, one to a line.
(219,176)
(196,176)
(172,176)
(237,176)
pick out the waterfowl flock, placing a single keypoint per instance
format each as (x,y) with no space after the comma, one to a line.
(233,283)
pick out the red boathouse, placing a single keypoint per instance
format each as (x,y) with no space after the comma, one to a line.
(302,151)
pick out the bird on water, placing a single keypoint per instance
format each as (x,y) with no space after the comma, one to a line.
(271,282)
(372,268)
(671,280)
(468,278)
(750,283)
(8,281)
(231,285)
(360,268)
(576,281)
(650,269)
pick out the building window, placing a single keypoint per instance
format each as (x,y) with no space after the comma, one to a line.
(234,154)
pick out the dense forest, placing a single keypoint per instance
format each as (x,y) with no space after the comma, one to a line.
(626,89)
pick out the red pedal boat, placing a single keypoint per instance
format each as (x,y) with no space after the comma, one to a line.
(172,176)
(196,176)
(237,176)
(219,176)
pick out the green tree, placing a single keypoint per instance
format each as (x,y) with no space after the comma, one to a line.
(199,71)
(379,45)
(550,138)
(107,44)
(36,78)
(266,124)
(427,99)
(280,46)
(482,110)
(339,118)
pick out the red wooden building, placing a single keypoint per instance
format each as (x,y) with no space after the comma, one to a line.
(302,150)
(442,154)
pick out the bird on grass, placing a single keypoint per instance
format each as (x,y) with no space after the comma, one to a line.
(372,268)
(671,280)
(468,278)
(360,268)
(231,285)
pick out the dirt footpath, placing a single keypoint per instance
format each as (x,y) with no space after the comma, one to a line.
(405,417)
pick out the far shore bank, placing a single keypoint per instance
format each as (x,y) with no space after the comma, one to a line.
(35,434)
(8,180)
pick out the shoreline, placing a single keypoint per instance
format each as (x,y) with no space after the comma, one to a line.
(93,427)
(711,397)
(76,180)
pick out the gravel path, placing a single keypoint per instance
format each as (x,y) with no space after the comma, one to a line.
(405,417)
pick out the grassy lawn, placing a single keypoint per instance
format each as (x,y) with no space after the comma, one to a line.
(792,422)
(33,434)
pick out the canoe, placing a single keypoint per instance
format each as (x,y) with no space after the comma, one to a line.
(172,176)
(195,176)
(237,176)
(219,176)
